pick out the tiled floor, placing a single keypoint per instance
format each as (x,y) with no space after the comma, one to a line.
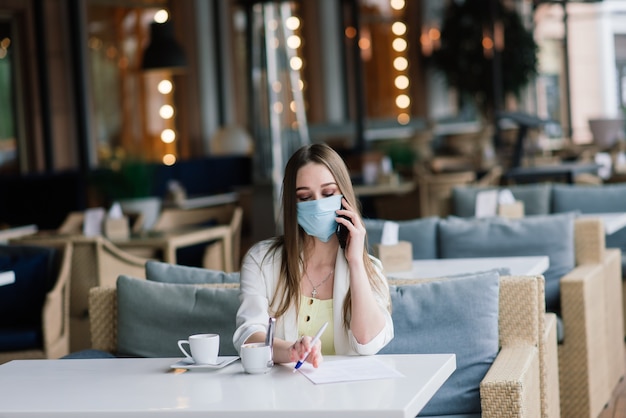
(617,406)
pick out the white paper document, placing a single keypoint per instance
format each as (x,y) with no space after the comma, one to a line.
(349,370)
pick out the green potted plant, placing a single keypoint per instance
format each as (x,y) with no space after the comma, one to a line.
(466,63)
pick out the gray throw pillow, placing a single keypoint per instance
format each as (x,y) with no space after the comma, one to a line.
(536,198)
(455,315)
(158,271)
(152,317)
(551,235)
(421,233)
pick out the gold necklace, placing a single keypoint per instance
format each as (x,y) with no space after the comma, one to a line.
(314,292)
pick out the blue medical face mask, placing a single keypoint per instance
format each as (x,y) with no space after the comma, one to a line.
(317,217)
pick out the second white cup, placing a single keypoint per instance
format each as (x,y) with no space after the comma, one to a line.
(256,358)
(204,348)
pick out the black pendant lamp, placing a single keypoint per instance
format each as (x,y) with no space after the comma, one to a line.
(163,51)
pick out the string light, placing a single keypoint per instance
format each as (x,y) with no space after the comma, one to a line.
(400,63)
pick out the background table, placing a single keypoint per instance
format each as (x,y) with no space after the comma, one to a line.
(441,267)
(564,171)
(167,242)
(613,221)
(148,387)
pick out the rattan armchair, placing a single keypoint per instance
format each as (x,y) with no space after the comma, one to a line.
(95,261)
(435,188)
(591,356)
(54,315)
(223,254)
(523,380)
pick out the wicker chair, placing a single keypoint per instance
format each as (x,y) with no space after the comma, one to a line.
(54,316)
(220,255)
(511,388)
(523,381)
(435,189)
(95,262)
(591,357)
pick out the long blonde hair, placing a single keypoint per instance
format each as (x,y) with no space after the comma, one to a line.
(291,243)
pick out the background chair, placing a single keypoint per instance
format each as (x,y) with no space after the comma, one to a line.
(435,189)
(223,254)
(35,309)
(591,350)
(95,261)
(72,224)
(591,356)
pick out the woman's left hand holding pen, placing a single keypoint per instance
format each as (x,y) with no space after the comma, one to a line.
(301,347)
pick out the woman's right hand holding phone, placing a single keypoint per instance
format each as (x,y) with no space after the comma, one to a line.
(356,231)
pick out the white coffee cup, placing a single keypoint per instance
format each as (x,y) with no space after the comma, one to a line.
(256,358)
(204,348)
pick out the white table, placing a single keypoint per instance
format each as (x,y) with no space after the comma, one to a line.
(518,266)
(148,387)
(613,221)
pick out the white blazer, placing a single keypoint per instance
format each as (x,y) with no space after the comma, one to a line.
(259,280)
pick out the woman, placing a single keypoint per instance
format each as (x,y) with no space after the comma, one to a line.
(304,278)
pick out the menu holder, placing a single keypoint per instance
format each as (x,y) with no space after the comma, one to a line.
(514,210)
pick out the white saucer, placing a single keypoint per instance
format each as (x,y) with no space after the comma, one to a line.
(188,364)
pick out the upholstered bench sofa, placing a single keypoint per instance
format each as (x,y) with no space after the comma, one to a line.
(546,198)
(500,373)
(583,286)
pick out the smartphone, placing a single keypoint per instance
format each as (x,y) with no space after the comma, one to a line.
(342,232)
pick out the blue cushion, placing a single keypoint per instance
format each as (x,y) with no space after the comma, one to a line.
(152,316)
(158,271)
(34,267)
(589,199)
(457,315)
(618,240)
(551,235)
(421,233)
(536,198)
(22,338)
